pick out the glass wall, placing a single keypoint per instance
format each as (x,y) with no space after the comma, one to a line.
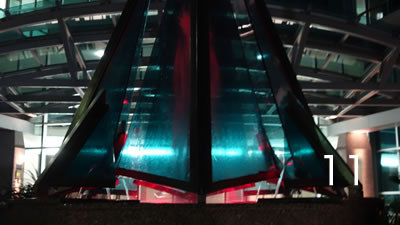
(388,153)
(41,146)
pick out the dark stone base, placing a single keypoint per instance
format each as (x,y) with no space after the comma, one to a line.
(276,211)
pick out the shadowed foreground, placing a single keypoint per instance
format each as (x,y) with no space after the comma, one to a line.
(277,211)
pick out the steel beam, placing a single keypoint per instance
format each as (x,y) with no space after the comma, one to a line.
(41,72)
(344,102)
(64,11)
(70,111)
(69,48)
(326,113)
(12,104)
(370,72)
(66,111)
(44,98)
(52,40)
(111,7)
(62,83)
(351,29)
(322,100)
(298,46)
(44,83)
(114,20)
(72,53)
(323,75)
(36,57)
(30,43)
(312,43)
(328,60)
(335,25)
(349,86)
(387,66)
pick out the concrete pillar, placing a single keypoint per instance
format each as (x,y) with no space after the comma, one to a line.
(357,143)
(7,146)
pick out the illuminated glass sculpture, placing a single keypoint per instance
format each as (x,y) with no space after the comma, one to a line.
(215,104)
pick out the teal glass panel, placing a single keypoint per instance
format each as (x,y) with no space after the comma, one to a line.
(68,2)
(394,76)
(92,51)
(8,63)
(57,57)
(303,163)
(20,7)
(157,141)
(335,66)
(27,61)
(40,30)
(387,138)
(307,61)
(10,35)
(354,67)
(95,161)
(388,169)
(240,103)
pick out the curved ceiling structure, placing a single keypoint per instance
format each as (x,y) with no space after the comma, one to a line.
(48,54)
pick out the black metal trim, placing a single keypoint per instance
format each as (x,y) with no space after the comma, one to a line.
(186,186)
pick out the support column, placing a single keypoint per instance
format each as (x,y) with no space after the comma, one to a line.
(357,143)
(7,140)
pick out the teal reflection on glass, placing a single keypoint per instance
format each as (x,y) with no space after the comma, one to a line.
(157,140)
(289,143)
(95,160)
(240,144)
(19,7)
(387,138)
(388,171)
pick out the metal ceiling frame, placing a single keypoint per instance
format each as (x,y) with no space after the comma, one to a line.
(381,65)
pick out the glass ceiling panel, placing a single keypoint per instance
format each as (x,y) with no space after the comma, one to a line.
(93,50)
(22,60)
(30,31)
(69,2)
(341,64)
(25,6)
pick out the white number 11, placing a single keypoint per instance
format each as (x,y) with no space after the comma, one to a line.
(354,157)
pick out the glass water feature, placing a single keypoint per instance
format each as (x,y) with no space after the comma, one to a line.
(209,104)
(158,136)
